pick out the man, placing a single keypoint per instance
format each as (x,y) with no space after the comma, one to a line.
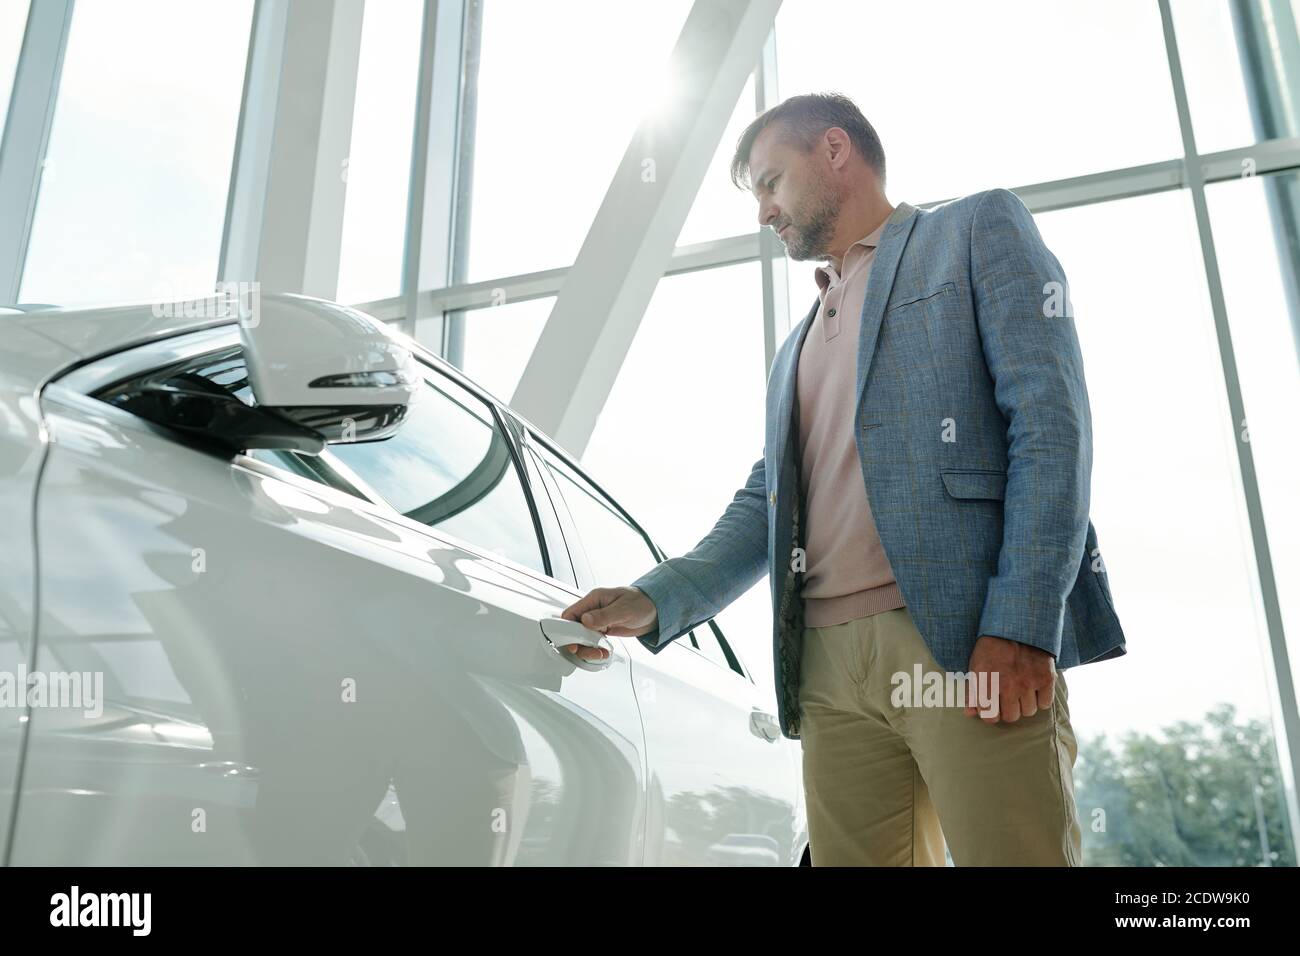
(928,425)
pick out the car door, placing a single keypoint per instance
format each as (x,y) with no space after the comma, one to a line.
(724,784)
(25,359)
(311,660)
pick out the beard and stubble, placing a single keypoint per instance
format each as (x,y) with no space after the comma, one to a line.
(808,234)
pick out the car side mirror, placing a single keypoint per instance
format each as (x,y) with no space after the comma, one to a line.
(329,368)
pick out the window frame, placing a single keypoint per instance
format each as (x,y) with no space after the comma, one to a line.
(532,463)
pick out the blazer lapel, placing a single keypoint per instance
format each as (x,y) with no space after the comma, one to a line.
(881,283)
(785,398)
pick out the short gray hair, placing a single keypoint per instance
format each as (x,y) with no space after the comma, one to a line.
(803,119)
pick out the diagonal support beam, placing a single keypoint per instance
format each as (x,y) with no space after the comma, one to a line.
(27,134)
(630,243)
(284,215)
(772,261)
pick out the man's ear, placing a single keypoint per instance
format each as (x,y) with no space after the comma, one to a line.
(838,146)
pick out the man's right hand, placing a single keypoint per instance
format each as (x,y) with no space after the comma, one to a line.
(615,612)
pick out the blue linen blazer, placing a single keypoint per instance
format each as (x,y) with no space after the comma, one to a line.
(975,437)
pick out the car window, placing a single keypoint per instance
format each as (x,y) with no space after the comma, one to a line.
(306,466)
(710,648)
(616,551)
(450,466)
(714,646)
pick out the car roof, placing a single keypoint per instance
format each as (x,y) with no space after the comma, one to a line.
(91,331)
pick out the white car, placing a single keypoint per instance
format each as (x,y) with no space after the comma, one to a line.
(335,657)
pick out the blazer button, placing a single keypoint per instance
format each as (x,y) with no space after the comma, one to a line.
(772,498)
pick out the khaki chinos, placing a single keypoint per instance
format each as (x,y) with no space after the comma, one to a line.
(886,784)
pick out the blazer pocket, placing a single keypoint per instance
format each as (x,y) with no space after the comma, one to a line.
(911,298)
(975,484)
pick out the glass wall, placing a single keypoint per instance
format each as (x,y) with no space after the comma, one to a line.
(720,209)
(1050,90)
(13,19)
(378,167)
(1216,87)
(133,194)
(499,341)
(683,427)
(1171,526)
(1179,761)
(1252,256)
(560,89)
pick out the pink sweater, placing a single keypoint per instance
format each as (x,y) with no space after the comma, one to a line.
(847,575)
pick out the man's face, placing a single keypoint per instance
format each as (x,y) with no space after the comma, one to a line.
(795,195)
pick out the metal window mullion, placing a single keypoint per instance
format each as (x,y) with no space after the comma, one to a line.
(775,273)
(1285,701)
(430,202)
(453,326)
(250,163)
(1269,52)
(27,133)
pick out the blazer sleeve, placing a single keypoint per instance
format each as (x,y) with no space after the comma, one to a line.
(1032,352)
(724,565)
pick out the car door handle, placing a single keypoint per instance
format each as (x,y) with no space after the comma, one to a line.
(764,725)
(561,631)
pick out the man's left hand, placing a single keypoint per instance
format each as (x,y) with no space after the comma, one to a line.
(1026,677)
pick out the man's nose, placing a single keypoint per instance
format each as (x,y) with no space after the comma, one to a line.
(766,214)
